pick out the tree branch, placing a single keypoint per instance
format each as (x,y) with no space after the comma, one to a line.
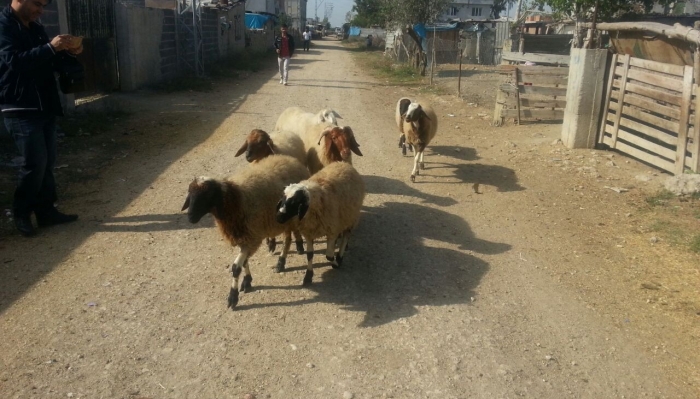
(676,31)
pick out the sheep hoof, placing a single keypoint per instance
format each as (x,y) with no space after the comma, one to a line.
(403,150)
(233,298)
(308,277)
(422,165)
(271,244)
(300,247)
(413,178)
(279,268)
(402,140)
(329,258)
(246,284)
(338,261)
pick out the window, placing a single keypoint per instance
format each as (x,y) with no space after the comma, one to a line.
(453,11)
(476,11)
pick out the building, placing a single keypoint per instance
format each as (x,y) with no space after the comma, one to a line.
(296,12)
(467,10)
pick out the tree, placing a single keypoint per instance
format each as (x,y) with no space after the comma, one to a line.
(409,12)
(349,16)
(369,12)
(596,10)
(499,6)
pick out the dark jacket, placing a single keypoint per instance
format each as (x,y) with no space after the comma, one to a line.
(278,43)
(27,65)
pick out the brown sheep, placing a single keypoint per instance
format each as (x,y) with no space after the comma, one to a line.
(418,124)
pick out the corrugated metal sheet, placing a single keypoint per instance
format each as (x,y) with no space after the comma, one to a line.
(654,48)
(502,35)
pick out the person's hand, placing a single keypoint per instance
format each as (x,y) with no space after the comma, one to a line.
(61,42)
(76,51)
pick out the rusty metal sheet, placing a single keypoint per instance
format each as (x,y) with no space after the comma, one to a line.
(652,47)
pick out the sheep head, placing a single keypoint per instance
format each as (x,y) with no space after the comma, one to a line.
(329,116)
(258,145)
(295,202)
(340,141)
(415,113)
(203,196)
(403,106)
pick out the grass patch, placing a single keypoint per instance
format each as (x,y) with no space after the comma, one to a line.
(660,199)
(695,244)
(385,69)
(91,123)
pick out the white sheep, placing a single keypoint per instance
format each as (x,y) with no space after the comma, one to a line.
(418,125)
(327,204)
(244,209)
(297,120)
(258,145)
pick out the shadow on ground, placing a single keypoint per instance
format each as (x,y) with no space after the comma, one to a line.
(402,256)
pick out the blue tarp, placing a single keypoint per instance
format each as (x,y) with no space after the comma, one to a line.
(354,31)
(255,21)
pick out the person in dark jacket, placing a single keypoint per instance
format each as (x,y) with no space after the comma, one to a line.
(30,103)
(284,45)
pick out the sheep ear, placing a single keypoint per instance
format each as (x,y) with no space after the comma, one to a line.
(337,115)
(424,115)
(187,203)
(243,148)
(403,106)
(302,210)
(280,203)
(354,146)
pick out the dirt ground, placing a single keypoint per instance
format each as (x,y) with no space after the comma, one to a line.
(541,283)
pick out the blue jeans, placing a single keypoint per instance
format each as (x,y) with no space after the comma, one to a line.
(35,139)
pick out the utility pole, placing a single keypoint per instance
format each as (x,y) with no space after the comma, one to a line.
(517,12)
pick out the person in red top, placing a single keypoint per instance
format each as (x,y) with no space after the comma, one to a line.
(284,45)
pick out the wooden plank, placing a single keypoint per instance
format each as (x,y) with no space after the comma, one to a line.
(606,104)
(517,95)
(538,103)
(536,58)
(539,80)
(500,101)
(646,157)
(630,137)
(643,102)
(542,114)
(695,148)
(630,125)
(623,83)
(533,70)
(636,113)
(670,98)
(670,69)
(685,114)
(656,80)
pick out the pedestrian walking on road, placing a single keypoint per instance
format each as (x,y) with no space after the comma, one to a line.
(284,45)
(307,39)
(30,103)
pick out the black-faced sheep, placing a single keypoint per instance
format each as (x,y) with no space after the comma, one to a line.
(327,204)
(259,145)
(244,207)
(418,124)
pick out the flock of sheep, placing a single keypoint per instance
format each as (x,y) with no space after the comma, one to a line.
(300,183)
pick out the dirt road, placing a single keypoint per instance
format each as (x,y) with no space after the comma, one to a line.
(528,288)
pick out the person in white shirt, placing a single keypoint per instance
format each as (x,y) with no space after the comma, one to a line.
(307,39)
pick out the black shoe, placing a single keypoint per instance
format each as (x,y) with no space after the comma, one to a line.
(53,217)
(24,225)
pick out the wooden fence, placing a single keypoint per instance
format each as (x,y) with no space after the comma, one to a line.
(530,92)
(650,113)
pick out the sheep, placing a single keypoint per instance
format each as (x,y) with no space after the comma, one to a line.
(298,121)
(329,204)
(259,144)
(243,207)
(418,124)
(331,144)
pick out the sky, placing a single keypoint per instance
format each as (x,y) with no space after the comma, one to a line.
(340,8)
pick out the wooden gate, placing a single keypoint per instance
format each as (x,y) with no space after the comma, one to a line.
(94,20)
(650,113)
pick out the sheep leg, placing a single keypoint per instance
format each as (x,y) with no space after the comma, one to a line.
(247,283)
(415,167)
(282,260)
(403,149)
(402,140)
(300,242)
(343,246)
(271,244)
(309,262)
(422,165)
(237,268)
(330,251)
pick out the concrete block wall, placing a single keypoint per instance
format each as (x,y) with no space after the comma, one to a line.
(168,46)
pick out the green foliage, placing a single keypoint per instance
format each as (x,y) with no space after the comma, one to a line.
(661,198)
(695,243)
(607,9)
(401,12)
(499,6)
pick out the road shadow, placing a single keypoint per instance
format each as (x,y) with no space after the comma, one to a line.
(401,258)
(457,152)
(385,185)
(504,179)
(291,83)
(128,160)
(466,73)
